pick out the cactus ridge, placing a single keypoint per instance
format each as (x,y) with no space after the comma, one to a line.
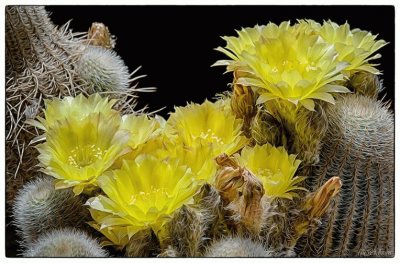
(358,148)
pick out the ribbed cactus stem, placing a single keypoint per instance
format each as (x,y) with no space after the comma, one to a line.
(67,242)
(359,149)
(39,208)
(39,64)
(314,207)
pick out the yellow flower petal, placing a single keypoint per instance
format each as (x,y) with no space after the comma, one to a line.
(274,167)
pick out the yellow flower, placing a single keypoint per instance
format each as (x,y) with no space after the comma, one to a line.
(143,194)
(355,46)
(287,64)
(142,128)
(78,107)
(248,37)
(274,167)
(147,135)
(200,159)
(77,151)
(208,124)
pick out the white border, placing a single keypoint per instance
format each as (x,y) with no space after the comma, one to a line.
(196,2)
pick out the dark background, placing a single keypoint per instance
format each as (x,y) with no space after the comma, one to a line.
(174,44)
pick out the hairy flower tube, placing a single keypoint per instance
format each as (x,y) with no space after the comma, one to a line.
(143,194)
(274,167)
(209,124)
(356,47)
(285,64)
(78,107)
(77,151)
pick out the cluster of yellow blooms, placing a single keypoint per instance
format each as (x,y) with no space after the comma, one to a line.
(148,167)
(299,63)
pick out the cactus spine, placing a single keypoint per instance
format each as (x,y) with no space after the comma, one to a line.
(358,148)
(65,243)
(39,208)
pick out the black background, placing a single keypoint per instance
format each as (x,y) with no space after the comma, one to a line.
(174,44)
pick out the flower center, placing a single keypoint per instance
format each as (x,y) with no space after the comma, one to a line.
(210,136)
(149,196)
(83,156)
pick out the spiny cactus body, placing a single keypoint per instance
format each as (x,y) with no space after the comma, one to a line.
(236,247)
(39,208)
(39,64)
(358,148)
(65,243)
(103,69)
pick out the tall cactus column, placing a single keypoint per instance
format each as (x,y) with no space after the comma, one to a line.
(39,64)
(358,148)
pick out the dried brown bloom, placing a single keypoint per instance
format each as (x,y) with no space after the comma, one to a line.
(99,35)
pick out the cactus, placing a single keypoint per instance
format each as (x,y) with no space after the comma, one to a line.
(103,70)
(65,243)
(358,148)
(39,208)
(41,62)
(237,247)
